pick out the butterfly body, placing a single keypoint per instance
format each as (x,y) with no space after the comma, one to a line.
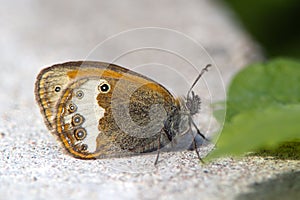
(100,110)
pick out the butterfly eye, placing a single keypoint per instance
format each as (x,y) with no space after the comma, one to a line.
(77,120)
(80,133)
(104,87)
(57,88)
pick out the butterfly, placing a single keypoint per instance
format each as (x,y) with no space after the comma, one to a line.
(101,110)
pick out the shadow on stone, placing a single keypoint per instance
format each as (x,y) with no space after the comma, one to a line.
(284,186)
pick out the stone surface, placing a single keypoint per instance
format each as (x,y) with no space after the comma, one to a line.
(33,165)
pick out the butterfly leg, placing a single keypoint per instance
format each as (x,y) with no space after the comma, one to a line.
(198,131)
(194,140)
(158,150)
(196,150)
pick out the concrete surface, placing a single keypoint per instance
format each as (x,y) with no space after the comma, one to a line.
(33,165)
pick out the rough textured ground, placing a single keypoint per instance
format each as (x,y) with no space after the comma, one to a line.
(32,163)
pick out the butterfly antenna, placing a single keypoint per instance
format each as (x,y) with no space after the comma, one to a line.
(197,79)
(191,121)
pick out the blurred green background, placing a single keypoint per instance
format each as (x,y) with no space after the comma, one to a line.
(275,24)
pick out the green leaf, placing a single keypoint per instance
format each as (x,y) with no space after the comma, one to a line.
(262,85)
(263,108)
(254,130)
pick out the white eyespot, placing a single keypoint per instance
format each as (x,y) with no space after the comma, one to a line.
(84,147)
(80,134)
(72,108)
(57,88)
(77,120)
(104,86)
(79,94)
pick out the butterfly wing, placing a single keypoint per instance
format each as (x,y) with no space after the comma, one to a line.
(51,82)
(128,118)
